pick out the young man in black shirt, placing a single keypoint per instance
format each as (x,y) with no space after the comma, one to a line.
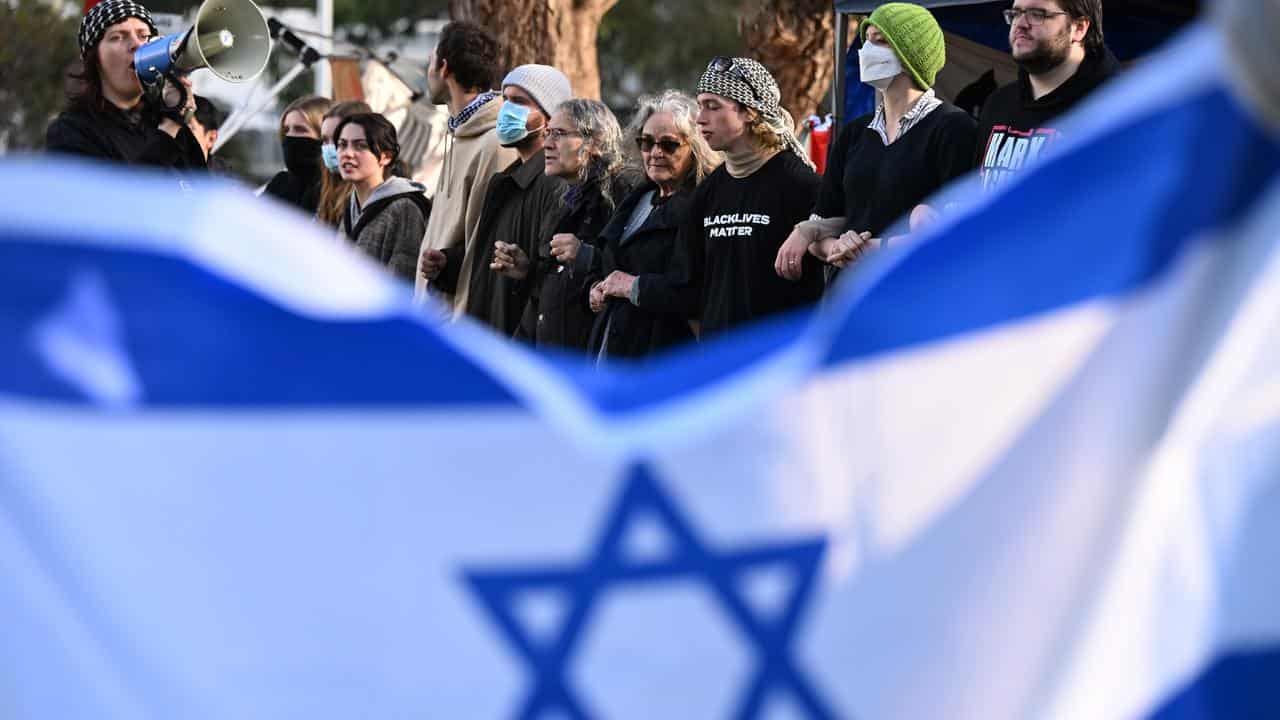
(743,211)
(1059,49)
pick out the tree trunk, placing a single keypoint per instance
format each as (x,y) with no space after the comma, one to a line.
(795,39)
(560,33)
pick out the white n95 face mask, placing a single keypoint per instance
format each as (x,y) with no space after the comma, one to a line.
(878,65)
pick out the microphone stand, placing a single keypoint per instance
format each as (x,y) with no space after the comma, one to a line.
(307,56)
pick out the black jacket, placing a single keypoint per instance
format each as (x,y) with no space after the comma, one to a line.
(133,138)
(658,320)
(521,206)
(301,192)
(558,313)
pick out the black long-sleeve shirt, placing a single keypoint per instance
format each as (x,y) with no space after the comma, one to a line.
(872,184)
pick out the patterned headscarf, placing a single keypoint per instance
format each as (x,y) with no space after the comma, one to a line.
(108,13)
(749,83)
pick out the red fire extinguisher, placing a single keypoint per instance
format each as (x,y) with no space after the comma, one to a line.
(819,141)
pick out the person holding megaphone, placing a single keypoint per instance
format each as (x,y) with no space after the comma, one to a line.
(107,116)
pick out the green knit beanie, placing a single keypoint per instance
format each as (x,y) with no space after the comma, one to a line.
(915,36)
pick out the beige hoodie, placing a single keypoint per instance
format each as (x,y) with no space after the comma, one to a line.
(472,156)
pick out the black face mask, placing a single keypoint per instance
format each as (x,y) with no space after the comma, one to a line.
(302,156)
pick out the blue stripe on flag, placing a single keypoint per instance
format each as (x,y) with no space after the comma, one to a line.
(1239,686)
(1097,221)
(196,339)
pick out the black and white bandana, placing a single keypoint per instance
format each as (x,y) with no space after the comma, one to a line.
(108,13)
(749,83)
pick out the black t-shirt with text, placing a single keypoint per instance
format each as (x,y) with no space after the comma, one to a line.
(726,249)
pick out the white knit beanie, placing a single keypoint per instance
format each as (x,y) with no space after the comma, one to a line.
(546,85)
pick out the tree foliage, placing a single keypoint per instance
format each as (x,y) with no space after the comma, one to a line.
(368,21)
(795,39)
(560,33)
(36,46)
(648,46)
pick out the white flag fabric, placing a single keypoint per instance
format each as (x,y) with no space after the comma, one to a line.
(1026,466)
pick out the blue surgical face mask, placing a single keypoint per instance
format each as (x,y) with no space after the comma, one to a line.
(329,152)
(512,121)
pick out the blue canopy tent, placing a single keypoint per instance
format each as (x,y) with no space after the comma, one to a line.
(977,41)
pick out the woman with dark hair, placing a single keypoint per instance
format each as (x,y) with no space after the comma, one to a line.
(583,146)
(335,192)
(106,117)
(299,183)
(386,216)
(640,312)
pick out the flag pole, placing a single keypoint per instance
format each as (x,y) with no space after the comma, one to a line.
(323,74)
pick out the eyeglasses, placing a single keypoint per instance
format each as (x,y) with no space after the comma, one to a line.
(557,134)
(1035,16)
(668,147)
(729,66)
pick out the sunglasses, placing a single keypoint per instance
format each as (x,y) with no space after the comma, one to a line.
(728,66)
(669,147)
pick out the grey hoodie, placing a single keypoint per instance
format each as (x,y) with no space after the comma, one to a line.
(392,233)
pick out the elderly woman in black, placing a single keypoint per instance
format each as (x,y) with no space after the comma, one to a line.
(639,312)
(107,118)
(583,146)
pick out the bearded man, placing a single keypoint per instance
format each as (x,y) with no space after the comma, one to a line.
(1061,58)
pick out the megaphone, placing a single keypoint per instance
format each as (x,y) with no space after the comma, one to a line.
(230,37)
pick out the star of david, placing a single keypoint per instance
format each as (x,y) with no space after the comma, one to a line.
(769,635)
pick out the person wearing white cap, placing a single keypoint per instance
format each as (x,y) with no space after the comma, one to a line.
(522,203)
(107,117)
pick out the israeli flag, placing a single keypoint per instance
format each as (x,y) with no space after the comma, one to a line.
(1027,466)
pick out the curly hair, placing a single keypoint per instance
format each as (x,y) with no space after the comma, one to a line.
(601,142)
(684,111)
(472,53)
(763,134)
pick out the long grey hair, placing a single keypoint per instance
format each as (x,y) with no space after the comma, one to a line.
(684,111)
(601,141)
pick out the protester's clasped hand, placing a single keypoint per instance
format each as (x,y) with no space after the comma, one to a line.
(618,284)
(433,262)
(790,261)
(849,247)
(510,260)
(564,247)
(597,297)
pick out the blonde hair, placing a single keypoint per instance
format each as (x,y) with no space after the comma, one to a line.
(763,134)
(684,111)
(312,108)
(334,191)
